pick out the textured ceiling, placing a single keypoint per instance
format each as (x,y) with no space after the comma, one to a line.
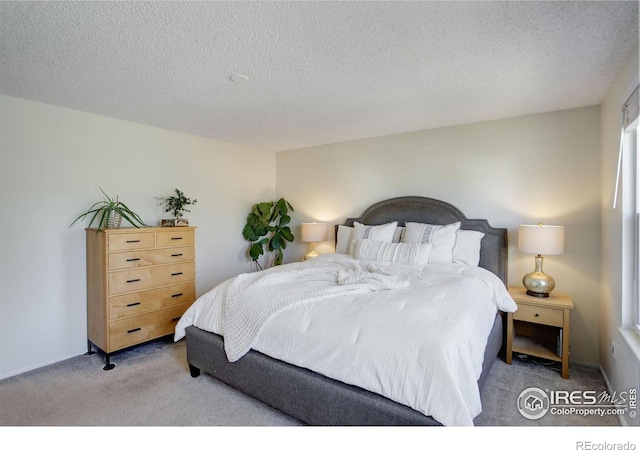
(319,72)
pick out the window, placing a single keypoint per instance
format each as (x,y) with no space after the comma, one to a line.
(631,229)
(629,171)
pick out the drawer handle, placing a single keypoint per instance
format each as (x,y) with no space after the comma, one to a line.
(177,254)
(176,238)
(134,330)
(175,319)
(177,295)
(134,280)
(133,241)
(133,304)
(536,315)
(177,273)
(133,259)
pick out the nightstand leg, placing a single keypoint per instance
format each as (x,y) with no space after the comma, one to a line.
(565,345)
(509,352)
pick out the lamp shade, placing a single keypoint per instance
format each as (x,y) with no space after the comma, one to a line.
(541,239)
(314,232)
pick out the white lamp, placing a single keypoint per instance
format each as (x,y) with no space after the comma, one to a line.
(313,232)
(540,239)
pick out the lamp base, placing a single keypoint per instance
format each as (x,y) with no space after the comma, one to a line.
(311,254)
(538,283)
(538,294)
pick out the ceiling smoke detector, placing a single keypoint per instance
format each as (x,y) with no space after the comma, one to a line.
(239,78)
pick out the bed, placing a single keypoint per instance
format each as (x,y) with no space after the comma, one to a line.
(301,387)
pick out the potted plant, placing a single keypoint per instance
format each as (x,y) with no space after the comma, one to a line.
(267,229)
(176,204)
(111,212)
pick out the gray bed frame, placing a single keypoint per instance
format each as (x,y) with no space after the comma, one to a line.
(318,400)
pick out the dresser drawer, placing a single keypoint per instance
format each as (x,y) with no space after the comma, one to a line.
(539,314)
(121,282)
(136,329)
(142,258)
(131,241)
(151,300)
(175,238)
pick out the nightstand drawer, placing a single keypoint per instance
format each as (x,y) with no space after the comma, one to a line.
(539,314)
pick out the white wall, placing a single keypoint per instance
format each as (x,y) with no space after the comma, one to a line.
(53,161)
(516,171)
(521,170)
(623,370)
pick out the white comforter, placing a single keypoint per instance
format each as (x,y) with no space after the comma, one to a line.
(416,337)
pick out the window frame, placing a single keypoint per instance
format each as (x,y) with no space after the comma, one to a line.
(635,299)
(631,228)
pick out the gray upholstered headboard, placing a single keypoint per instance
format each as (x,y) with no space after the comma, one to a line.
(493,251)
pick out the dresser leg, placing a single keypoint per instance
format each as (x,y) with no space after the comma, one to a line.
(90,351)
(107,362)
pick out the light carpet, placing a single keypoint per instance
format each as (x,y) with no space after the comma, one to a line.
(151,386)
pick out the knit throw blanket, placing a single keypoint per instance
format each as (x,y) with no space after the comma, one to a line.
(251,299)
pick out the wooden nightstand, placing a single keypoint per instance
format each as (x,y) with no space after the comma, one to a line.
(540,327)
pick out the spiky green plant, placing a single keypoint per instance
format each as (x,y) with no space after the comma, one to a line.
(104,208)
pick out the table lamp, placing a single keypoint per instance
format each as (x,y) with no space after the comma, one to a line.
(314,233)
(540,239)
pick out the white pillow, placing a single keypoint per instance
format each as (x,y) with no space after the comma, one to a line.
(467,248)
(378,232)
(397,252)
(343,241)
(443,238)
(382,233)
(397,235)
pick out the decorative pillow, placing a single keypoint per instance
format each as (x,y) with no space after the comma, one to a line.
(377,232)
(382,233)
(370,250)
(343,241)
(443,238)
(467,248)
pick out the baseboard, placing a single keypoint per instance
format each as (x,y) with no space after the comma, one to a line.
(39,366)
(607,382)
(593,366)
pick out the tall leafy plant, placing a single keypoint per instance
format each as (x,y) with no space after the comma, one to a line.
(267,230)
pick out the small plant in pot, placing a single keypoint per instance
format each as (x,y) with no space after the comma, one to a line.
(176,205)
(267,229)
(110,213)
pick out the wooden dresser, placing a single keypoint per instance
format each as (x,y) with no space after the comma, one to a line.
(139,283)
